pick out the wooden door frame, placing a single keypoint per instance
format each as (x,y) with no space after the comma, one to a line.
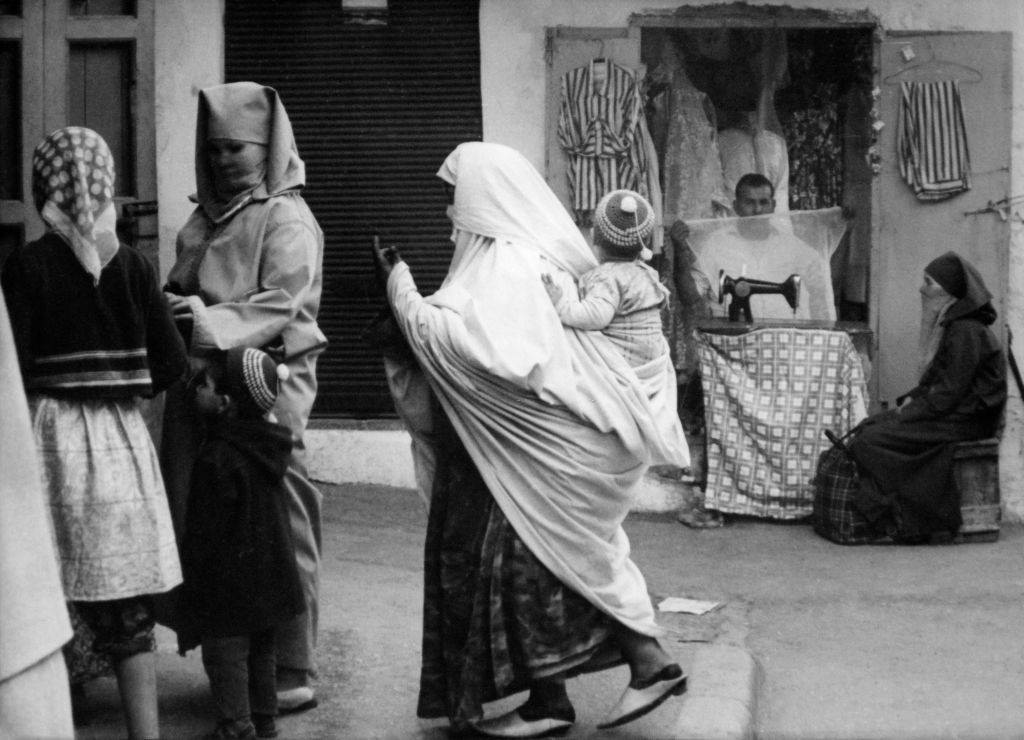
(45,30)
(28,29)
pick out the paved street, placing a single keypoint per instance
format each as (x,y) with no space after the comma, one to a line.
(868,642)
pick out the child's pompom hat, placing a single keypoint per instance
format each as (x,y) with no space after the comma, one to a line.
(623,223)
(252,375)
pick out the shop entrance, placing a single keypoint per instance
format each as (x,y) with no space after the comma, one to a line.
(826,89)
(791,104)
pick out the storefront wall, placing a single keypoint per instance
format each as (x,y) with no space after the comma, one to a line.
(514,78)
(188,56)
(189,53)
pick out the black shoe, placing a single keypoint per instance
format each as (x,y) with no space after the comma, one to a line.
(230,730)
(265,726)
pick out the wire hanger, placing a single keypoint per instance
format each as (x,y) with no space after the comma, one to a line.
(930,64)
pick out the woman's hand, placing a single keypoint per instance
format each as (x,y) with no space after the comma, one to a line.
(554,291)
(385,259)
(180,306)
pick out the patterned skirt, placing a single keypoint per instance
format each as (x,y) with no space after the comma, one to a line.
(494,617)
(110,516)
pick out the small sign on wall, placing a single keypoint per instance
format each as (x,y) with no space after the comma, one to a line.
(368,12)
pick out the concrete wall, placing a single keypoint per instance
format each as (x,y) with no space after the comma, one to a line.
(513,85)
(188,56)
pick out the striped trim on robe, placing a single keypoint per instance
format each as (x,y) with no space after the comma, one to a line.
(932,139)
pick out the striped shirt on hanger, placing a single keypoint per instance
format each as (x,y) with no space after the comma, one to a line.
(598,128)
(932,139)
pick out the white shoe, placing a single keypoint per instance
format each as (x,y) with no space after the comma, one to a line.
(636,702)
(512,724)
(299,699)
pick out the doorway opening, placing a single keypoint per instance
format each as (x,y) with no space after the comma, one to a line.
(795,104)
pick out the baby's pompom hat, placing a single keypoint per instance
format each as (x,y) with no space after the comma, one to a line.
(623,223)
(252,375)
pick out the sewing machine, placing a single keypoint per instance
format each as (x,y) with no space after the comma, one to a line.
(742,288)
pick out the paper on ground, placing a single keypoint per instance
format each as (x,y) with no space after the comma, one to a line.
(690,606)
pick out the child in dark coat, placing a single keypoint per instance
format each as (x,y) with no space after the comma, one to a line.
(237,554)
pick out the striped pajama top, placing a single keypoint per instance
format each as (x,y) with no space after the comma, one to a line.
(598,127)
(932,139)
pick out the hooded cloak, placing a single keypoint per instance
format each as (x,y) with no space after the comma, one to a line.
(905,457)
(246,111)
(558,424)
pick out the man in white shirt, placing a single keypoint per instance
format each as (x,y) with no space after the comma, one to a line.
(756,246)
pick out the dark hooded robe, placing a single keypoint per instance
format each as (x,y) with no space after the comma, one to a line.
(905,456)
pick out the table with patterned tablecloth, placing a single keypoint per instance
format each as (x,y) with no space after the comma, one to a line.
(768,396)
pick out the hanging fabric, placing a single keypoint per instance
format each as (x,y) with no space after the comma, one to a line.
(932,140)
(692,181)
(815,155)
(650,182)
(598,126)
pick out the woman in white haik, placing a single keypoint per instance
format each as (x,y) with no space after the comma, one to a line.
(542,432)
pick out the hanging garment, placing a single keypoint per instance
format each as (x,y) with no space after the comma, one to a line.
(650,183)
(690,165)
(932,139)
(597,128)
(692,183)
(764,152)
(815,157)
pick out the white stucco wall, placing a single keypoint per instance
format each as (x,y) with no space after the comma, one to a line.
(512,79)
(188,56)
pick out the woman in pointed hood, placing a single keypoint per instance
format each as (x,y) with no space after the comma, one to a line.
(905,455)
(248,274)
(544,432)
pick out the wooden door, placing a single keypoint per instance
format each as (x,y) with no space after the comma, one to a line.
(909,233)
(75,62)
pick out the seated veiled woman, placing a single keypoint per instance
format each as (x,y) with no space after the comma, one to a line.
(543,430)
(905,456)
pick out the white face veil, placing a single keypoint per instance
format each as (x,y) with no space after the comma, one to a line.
(499,194)
(509,229)
(246,111)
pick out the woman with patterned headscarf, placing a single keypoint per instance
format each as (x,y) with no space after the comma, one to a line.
(93,334)
(248,274)
(544,432)
(905,456)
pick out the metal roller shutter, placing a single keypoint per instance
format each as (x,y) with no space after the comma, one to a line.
(375,109)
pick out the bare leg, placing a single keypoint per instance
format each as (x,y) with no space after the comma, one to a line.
(645,655)
(136,681)
(653,678)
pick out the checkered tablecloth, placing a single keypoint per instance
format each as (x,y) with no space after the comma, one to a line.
(768,396)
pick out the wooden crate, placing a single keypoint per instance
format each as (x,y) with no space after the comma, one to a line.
(976,473)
